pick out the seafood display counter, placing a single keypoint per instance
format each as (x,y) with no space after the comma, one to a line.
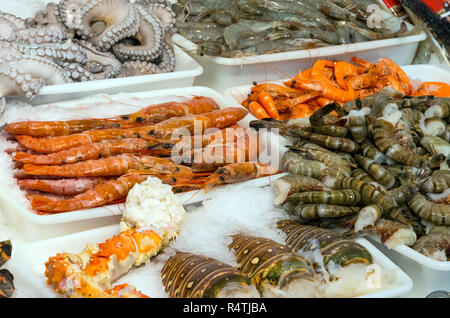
(221,149)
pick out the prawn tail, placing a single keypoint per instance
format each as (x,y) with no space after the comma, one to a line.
(24,157)
(211,182)
(40,203)
(35,169)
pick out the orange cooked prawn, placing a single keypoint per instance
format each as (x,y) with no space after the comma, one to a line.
(149,115)
(102,149)
(111,166)
(219,119)
(69,186)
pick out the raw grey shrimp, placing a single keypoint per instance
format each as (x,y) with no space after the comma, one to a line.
(210,47)
(360,174)
(289,184)
(336,165)
(410,183)
(298,20)
(315,211)
(376,171)
(436,145)
(314,33)
(222,12)
(322,116)
(290,125)
(268,47)
(337,13)
(336,197)
(438,214)
(440,108)
(357,126)
(329,142)
(385,140)
(200,32)
(297,8)
(297,165)
(233,33)
(330,130)
(371,35)
(446,133)
(369,193)
(369,150)
(434,127)
(408,130)
(435,246)
(437,183)
(420,103)
(438,229)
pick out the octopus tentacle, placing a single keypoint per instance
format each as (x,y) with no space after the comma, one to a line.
(19,83)
(77,73)
(105,22)
(45,18)
(166,65)
(35,66)
(146,44)
(15,21)
(70,12)
(164,13)
(167,59)
(9,24)
(67,51)
(100,64)
(135,68)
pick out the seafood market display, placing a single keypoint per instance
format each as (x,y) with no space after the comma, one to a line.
(6,278)
(85,163)
(379,165)
(346,149)
(151,225)
(239,28)
(332,81)
(83,40)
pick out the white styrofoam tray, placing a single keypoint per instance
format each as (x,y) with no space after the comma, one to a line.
(417,73)
(27,264)
(219,70)
(186,70)
(36,227)
(429,275)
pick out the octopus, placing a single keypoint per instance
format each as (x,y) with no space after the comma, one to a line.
(84,40)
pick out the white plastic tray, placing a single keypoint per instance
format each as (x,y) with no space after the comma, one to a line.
(37,227)
(419,72)
(27,265)
(219,70)
(186,70)
(429,275)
